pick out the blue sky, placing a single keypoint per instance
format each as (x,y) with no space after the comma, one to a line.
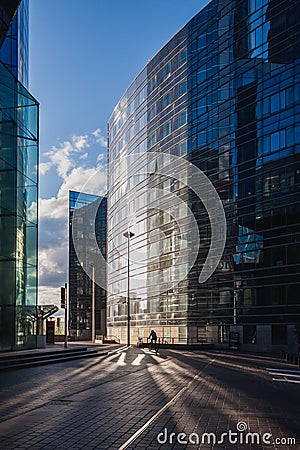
(83,55)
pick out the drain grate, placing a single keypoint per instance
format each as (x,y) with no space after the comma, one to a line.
(61,402)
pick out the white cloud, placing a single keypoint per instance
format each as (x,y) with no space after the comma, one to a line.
(81,142)
(52,261)
(100,139)
(32,212)
(53,208)
(44,167)
(78,178)
(100,156)
(97,132)
(49,295)
(61,157)
(57,207)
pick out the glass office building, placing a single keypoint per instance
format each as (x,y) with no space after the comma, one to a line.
(80,283)
(14,50)
(223,93)
(19,190)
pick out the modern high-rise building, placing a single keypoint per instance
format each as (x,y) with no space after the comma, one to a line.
(18,184)
(14,50)
(83,283)
(223,94)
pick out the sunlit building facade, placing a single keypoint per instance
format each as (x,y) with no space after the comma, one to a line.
(18,185)
(81,285)
(224,93)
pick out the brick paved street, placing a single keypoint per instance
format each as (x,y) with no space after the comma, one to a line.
(127,399)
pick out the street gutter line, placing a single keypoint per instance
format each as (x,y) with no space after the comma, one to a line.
(285,380)
(285,374)
(283,370)
(162,410)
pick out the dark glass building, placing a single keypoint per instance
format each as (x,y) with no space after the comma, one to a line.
(223,93)
(80,283)
(14,50)
(18,184)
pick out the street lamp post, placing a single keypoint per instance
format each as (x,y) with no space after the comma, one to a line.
(66,317)
(93,304)
(64,305)
(128,235)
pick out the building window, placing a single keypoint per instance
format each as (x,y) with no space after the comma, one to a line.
(183,87)
(182,118)
(202,74)
(278,101)
(202,334)
(182,148)
(202,41)
(182,334)
(249,334)
(277,140)
(182,57)
(152,111)
(201,106)
(167,71)
(167,334)
(223,334)
(279,335)
(166,100)
(152,140)
(201,138)
(166,129)
(153,83)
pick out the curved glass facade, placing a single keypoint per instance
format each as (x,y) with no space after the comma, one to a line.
(224,93)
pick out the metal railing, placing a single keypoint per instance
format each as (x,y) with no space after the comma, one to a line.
(101,337)
(182,341)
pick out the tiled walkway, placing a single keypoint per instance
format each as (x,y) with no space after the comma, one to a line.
(136,399)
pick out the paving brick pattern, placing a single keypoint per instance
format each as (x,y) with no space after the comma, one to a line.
(102,403)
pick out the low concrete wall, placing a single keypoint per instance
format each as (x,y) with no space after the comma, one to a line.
(41,341)
(263,339)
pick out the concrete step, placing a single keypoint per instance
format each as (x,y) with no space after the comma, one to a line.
(39,359)
(37,353)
